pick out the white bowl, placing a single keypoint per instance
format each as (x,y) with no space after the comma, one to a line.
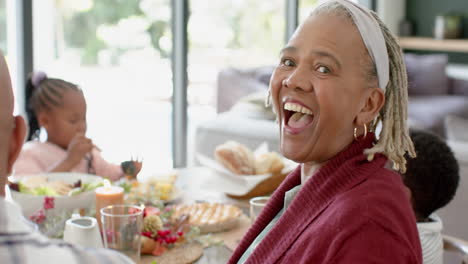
(31,203)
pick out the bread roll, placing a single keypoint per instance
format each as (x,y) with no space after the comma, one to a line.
(236,157)
(269,162)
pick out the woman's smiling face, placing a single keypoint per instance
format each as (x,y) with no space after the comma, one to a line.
(320,87)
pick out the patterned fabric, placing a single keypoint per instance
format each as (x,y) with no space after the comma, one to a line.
(38,157)
(431,240)
(20,244)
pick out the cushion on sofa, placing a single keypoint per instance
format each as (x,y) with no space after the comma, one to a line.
(426,74)
(234,84)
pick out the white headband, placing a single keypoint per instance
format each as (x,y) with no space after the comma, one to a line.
(372,36)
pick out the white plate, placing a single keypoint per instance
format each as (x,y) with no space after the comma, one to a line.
(31,203)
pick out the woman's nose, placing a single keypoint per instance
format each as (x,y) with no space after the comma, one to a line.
(299,80)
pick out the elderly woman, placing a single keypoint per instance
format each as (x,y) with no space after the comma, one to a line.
(340,75)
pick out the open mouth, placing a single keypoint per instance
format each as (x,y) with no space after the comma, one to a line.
(296,116)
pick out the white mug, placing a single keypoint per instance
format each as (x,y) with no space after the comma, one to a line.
(256,206)
(82,231)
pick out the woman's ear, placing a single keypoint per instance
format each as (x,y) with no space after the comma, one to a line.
(374,101)
(16,142)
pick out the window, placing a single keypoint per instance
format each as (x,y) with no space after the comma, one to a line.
(228,33)
(8,42)
(3,27)
(120,57)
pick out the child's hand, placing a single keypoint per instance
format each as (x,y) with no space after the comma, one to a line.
(79,147)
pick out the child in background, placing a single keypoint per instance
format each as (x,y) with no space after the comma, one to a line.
(432,178)
(60,108)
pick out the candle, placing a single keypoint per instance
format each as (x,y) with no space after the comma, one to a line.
(107,195)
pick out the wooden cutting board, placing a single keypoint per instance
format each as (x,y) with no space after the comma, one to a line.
(184,254)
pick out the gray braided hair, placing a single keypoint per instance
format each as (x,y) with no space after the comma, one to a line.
(394,140)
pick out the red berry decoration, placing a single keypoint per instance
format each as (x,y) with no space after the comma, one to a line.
(38,217)
(164,232)
(49,202)
(147,234)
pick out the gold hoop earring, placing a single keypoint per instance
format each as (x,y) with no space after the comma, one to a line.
(268,99)
(355,133)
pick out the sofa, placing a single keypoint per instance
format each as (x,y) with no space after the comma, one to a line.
(436,90)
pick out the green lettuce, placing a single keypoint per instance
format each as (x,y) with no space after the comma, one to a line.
(48,191)
(44,190)
(91,185)
(24,189)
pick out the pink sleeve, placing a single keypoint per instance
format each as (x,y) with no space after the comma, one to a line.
(27,163)
(105,169)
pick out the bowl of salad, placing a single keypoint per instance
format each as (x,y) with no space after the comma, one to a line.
(70,190)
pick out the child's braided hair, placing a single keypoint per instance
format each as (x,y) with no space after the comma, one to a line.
(42,94)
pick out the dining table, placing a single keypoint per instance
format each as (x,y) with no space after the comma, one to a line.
(190,182)
(190,187)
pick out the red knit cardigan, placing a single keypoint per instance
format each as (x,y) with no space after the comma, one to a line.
(350,211)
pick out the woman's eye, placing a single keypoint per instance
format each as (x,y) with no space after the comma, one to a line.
(323,69)
(288,62)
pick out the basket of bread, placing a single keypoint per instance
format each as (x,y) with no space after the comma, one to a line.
(258,172)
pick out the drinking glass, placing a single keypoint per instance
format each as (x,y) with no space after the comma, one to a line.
(256,206)
(121,229)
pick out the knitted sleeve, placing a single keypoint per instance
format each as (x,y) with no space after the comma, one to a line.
(373,244)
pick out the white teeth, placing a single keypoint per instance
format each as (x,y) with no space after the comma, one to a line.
(297,108)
